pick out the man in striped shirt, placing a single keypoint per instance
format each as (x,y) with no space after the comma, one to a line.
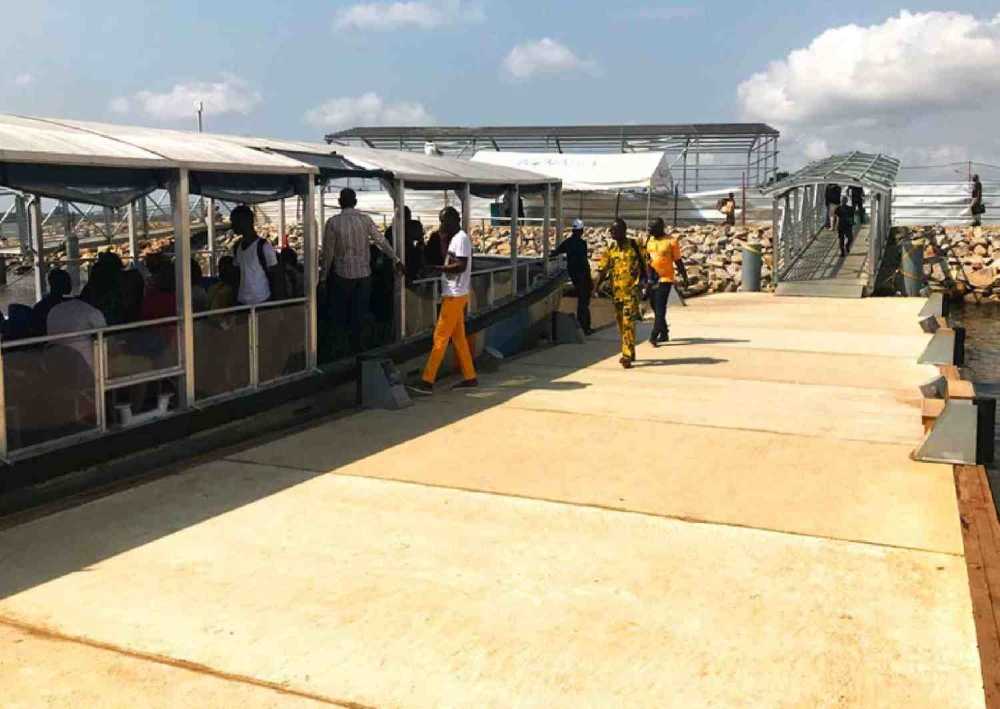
(347,238)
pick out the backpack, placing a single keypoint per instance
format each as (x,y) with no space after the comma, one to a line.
(263,264)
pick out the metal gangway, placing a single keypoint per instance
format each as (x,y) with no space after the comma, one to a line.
(807,259)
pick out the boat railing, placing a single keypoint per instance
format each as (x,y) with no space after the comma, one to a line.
(60,389)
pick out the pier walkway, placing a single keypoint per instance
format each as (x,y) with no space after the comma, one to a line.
(733,522)
(821,271)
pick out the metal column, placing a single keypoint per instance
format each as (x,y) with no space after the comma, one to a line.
(210,234)
(399,244)
(23,233)
(133,239)
(467,208)
(559,214)
(311,266)
(546,225)
(281,222)
(515,218)
(37,246)
(181,209)
(72,248)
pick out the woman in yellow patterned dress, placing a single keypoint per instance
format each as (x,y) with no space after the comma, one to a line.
(625,263)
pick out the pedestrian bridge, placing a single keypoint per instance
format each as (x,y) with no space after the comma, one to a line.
(734,522)
(807,259)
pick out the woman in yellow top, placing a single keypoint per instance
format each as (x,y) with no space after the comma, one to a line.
(664,255)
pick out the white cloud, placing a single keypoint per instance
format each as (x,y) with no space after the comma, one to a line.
(419,14)
(367,110)
(24,79)
(543,57)
(913,80)
(120,104)
(230,94)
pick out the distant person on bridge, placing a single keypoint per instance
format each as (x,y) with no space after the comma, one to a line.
(578,265)
(624,262)
(844,223)
(977,207)
(832,203)
(857,194)
(456,279)
(664,258)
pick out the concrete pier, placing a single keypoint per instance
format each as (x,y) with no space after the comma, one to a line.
(733,522)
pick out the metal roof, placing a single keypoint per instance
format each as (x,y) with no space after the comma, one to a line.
(718,137)
(876,172)
(66,142)
(48,141)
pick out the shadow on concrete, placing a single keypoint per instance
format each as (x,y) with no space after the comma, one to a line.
(678,361)
(683,341)
(84,532)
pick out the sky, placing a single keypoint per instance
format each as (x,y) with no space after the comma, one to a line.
(921,81)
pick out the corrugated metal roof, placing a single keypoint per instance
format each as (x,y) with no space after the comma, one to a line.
(68,142)
(873,171)
(41,141)
(592,131)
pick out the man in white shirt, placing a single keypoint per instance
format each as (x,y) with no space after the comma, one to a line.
(456,277)
(76,315)
(254,256)
(347,241)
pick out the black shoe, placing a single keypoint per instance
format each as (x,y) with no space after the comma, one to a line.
(666,337)
(421,388)
(654,342)
(589,331)
(467,384)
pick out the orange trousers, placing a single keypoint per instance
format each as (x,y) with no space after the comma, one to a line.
(450,328)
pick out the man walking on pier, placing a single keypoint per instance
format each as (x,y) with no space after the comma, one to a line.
(578,265)
(624,262)
(832,203)
(844,223)
(664,258)
(456,278)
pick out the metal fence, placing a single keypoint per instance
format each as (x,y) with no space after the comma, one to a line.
(59,389)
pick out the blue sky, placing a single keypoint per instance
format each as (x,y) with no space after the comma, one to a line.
(300,69)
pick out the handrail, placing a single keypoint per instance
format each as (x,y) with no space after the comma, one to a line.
(28,341)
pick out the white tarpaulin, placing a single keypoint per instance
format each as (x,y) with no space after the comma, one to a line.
(583,172)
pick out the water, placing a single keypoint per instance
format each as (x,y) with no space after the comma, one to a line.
(982,353)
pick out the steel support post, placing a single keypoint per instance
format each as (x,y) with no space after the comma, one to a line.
(467,208)
(133,237)
(281,223)
(310,237)
(71,244)
(213,269)
(515,219)
(546,225)
(23,233)
(181,209)
(144,216)
(559,213)
(399,244)
(37,246)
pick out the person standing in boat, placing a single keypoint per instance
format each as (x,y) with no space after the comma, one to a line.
(456,279)
(347,238)
(624,263)
(578,264)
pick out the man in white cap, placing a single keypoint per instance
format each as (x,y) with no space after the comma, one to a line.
(578,265)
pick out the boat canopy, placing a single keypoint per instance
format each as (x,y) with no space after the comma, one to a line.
(113,165)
